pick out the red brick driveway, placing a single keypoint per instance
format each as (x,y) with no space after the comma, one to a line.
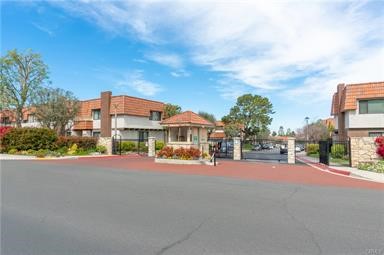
(234,169)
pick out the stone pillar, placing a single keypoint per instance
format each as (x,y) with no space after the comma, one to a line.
(107,142)
(236,148)
(291,150)
(363,149)
(151,146)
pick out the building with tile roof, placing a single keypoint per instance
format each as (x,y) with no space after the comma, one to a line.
(188,129)
(358,110)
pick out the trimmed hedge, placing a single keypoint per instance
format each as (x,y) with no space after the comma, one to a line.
(23,139)
(312,148)
(85,143)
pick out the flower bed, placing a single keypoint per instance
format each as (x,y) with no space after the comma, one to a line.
(187,156)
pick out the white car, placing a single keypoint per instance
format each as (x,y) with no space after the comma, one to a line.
(297,149)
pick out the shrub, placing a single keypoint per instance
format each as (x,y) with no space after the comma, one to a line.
(128,146)
(4,130)
(312,148)
(166,152)
(41,153)
(101,148)
(337,151)
(159,145)
(29,138)
(143,146)
(371,166)
(62,150)
(86,143)
(180,153)
(380,146)
(73,149)
(12,151)
(31,152)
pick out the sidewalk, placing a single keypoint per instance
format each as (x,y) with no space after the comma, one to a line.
(350,171)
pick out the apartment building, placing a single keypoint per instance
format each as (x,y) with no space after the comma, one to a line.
(358,110)
(136,118)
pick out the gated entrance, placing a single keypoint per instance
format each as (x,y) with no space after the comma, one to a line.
(125,146)
(267,150)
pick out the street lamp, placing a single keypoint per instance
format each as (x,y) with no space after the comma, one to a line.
(306,135)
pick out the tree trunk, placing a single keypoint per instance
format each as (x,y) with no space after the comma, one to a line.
(19,117)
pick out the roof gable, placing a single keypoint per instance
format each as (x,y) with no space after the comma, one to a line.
(187,117)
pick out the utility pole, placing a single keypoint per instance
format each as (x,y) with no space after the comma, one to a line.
(306,135)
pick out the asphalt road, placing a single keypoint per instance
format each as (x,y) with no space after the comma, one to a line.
(68,209)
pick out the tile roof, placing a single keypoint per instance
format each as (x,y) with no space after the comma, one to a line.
(187,117)
(217,135)
(125,105)
(347,95)
(219,124)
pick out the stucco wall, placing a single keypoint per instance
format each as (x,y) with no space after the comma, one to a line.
(363,149)
(355,120)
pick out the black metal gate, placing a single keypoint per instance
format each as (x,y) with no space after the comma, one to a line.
(324,152)
(267,150)
(126,146)
(335,152)
(222,147)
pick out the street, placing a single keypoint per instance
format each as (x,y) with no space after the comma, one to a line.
(54,208)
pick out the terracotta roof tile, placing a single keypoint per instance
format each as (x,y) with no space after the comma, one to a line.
(187,117)
(351,93)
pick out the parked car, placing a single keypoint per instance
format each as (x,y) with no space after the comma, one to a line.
(283,149)
(297,149)
(267,146)
(256,147)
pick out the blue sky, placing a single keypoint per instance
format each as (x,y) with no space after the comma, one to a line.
(203,54)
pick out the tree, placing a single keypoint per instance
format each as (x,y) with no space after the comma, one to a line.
(252,112)
(316,131)
(208,116)
(22,76)
(281,131)
(232,130)
(171,110)
(56,108)
(274,133)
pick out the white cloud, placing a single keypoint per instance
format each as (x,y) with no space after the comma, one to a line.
(136,81)
(170,59)
(293,48)
(180,73)
(43,29)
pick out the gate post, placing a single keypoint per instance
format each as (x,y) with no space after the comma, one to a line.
(291,150)
(107,142)
(236,148)
(151,146)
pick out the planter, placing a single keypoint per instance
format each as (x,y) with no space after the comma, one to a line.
(183,162)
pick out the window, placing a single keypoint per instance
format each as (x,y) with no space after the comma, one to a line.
(143,135)
(96,114)
(156,116)
(96,133)
(31,118)
(375,134)
(5,120)
(371,106)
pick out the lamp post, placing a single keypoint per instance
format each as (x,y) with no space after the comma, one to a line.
(306,133)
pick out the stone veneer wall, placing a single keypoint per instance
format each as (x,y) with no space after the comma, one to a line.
(291,151)
(236,148)
(107,142)
(363,149)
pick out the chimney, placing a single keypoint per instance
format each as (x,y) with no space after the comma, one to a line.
(105,112)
